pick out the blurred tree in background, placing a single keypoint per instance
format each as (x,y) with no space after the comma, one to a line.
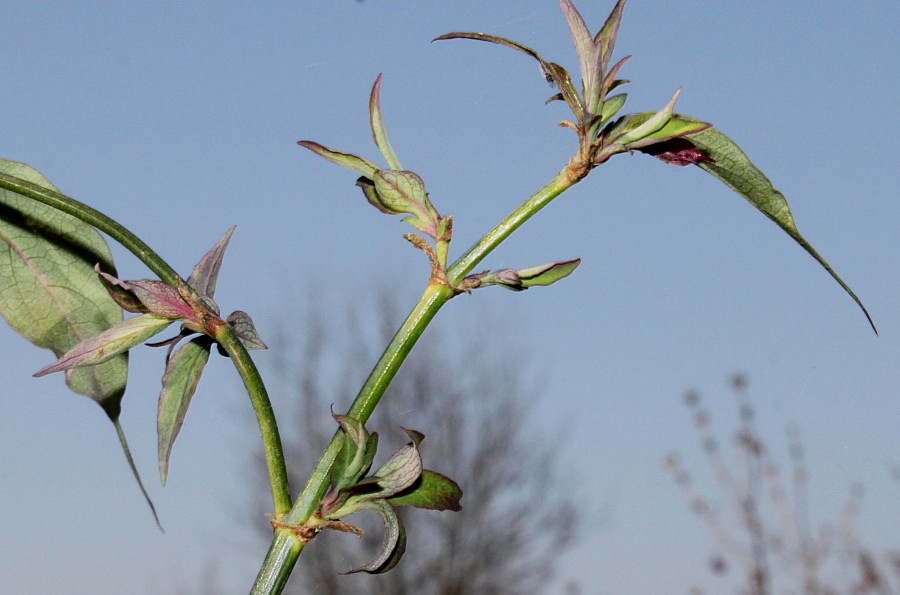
(761,522)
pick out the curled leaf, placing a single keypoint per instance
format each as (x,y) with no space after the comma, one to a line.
(393,543)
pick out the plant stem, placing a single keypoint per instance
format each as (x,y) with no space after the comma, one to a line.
(265,416)
(286,547)
(465,263)
(95,218)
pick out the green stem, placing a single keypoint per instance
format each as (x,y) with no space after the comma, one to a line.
(465,263)
(286,547)
(265,416)
(95,218)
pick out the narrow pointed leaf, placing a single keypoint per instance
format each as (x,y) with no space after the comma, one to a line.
(362,166)
(606,36)
(49,293)
(378,132)
(179,383)
(393,543)
(206,272)
(732,166)
(108,344)
(432,491)
(584,48)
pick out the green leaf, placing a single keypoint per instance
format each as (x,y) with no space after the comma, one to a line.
(179,383)
(730,165)
(393,543)
(432,491)
(404,192)
(378,132)
(548,273)
(49,293)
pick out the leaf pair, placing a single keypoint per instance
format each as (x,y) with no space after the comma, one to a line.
(401,481)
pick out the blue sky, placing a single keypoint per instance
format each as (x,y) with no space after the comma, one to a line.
(180,119)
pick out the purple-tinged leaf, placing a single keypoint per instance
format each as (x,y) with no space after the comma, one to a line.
(206,272)
(362,166)
(120,293)
(160,299)
(393,543)
(399,472)
(432,491)
(179,383)
(378,132)
(108,344)
(244,328)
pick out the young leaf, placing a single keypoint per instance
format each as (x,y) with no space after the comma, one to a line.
(179,383)
(728,163)
(378,132)
(432,491)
